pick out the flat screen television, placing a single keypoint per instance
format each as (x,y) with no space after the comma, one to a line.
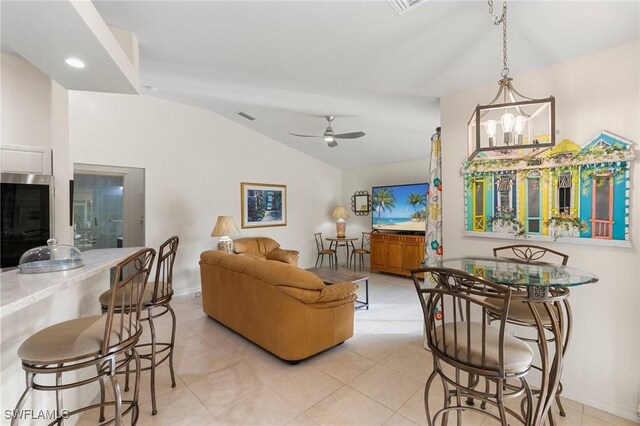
(399,208)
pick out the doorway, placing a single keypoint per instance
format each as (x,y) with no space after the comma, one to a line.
(108,206)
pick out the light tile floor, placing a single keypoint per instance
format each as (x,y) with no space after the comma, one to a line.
(375,378)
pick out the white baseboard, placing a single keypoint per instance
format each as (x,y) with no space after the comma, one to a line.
(628,413)
(186,291)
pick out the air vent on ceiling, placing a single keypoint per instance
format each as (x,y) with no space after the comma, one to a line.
(403,6)
(245,115)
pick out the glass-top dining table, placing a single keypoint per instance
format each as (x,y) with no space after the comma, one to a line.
(544,287)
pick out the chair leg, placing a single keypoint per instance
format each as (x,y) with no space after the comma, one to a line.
(152,329)
(559,401)
(173,341)
(321,260)
(102,394)
(136,390)
(59,397)
(528,401)
(117,395)
(126,378)
(483,404)
(500,401)
(317,260)
(426,396)
(25,395)
(447,402)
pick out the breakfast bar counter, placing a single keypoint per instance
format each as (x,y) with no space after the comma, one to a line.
(31,302)
(19,291)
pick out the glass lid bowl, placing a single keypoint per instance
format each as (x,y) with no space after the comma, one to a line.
(50,258)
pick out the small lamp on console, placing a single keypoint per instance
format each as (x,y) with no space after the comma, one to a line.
(340,213)
(225,227)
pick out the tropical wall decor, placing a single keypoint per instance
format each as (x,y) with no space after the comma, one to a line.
(580,194)
(263,204)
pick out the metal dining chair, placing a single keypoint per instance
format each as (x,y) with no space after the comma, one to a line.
(361,252)
(322,252)
(471,348)
(519,313)
(92,348)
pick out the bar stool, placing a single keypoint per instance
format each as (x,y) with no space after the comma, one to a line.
(465,350)
(519,313)
(99,343)
(155,303)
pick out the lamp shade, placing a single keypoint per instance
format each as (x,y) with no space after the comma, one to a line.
(340,213)
(225,227)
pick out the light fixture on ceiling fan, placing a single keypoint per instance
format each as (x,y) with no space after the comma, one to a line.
(526,123)
(329,135)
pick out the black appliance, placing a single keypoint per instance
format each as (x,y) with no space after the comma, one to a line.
(26,202)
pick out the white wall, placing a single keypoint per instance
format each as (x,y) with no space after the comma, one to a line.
(363,178)
(194,161)
(35,115)
(595,92)
(26,103)
(62,167)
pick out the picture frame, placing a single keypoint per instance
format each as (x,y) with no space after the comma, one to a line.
(263,205)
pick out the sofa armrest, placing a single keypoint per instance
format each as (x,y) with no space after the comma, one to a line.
(339,291)
(329,296)
(285,256)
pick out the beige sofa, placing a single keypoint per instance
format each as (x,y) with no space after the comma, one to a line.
(265,248)
(284,309)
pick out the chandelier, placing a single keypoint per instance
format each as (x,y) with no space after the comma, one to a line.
(512,124)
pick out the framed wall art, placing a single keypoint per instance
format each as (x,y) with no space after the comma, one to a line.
(578,193)
(263,204)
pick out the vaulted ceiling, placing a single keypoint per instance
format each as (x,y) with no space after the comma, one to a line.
(289,63)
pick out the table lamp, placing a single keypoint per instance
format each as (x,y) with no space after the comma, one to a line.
(341,214)
(225,226)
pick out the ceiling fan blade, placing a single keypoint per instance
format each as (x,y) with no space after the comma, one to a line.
(352,135)
(332,144)
(306,136)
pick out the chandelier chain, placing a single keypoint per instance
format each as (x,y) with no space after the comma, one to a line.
(501,20)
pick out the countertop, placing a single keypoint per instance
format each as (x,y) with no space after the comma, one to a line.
(19,291)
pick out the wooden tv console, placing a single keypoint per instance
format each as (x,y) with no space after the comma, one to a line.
(396,253)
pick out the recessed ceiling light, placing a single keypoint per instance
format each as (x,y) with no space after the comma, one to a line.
(74,62)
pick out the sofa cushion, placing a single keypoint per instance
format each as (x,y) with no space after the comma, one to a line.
(282,274)
(226,260)
(258,246)
(270,271)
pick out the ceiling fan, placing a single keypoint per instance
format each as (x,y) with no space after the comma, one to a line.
(330,137)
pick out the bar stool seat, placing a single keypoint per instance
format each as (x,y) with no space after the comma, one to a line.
(517,354)
(519,313)
(69,341)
